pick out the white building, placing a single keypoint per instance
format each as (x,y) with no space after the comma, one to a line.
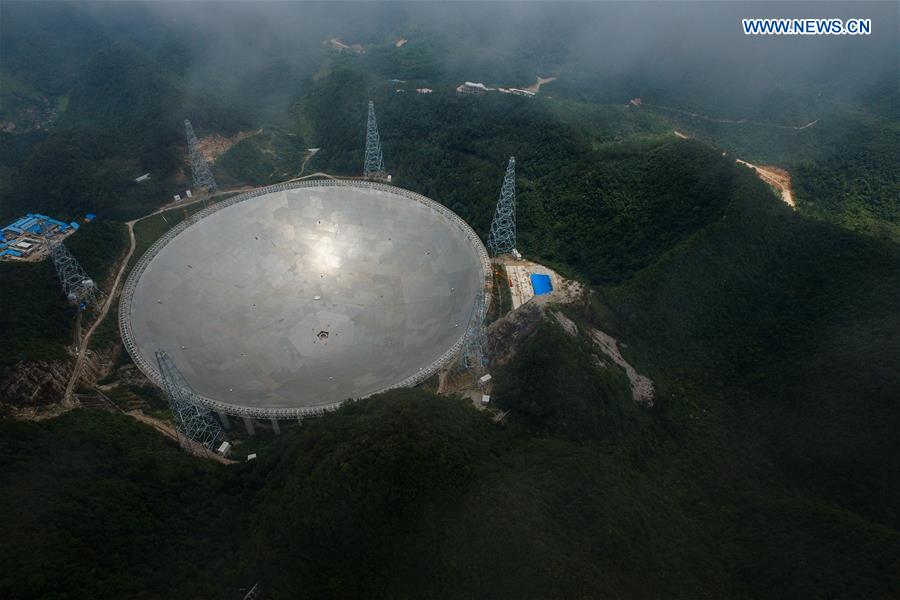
(470,87)
(520,92)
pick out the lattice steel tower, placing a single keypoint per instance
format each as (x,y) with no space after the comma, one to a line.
(503,227)
(374,167)
(77,286)
(203,178)
(474,355)
(192,421)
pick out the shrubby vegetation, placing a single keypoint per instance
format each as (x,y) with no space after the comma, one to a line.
(38,324)
(784,327)
(261,159)
(411,494)
(123,117)
(843,168)
(98,506)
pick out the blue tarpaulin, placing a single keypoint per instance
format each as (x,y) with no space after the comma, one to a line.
(541,284)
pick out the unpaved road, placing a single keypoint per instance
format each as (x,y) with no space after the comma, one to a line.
(110,298)
(86,339)
(167,430)
(539,81)
(774,176)
(777,178)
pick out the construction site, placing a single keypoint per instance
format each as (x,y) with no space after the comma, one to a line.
(30,237)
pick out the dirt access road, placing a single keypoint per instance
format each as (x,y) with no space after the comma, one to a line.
(774,176)
(777,178)
(539,81)
(123,265)
(167,430)
(85,341)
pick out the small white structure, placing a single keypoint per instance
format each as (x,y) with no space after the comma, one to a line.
(177,197)
(485,399)
(517,254)
(424,90)
(188,194)
(520,92)
(251,457)
(471,87)
(484,379)
(224,449)
(143,177)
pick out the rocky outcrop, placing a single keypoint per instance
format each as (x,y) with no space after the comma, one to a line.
(37,388)
(642,389)
(35,384)
(97,365)
(508,333)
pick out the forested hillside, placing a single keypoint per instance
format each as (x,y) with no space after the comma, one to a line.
(411,494)
(38,324)
(121,115)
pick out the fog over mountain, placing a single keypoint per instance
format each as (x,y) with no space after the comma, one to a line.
(689,51)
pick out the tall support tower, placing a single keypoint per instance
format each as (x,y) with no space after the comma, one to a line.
(503,227)
(374,167)
(192,421)
(78,288)
(203,178)
(474,355)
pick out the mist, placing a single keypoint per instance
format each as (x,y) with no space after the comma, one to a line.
(694,54)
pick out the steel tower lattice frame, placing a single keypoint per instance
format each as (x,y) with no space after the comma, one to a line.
(203,177)
(503,228)
(77,286)
(374,165)
(192,421)
(475,352)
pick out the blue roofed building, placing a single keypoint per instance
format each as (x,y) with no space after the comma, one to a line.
(541,284)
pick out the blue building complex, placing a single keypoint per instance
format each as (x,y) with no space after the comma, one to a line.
(27,234)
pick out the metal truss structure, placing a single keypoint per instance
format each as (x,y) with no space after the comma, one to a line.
(191,420)
(374,167)
(203,178)
(503,227)
(78,288)
(475,355)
